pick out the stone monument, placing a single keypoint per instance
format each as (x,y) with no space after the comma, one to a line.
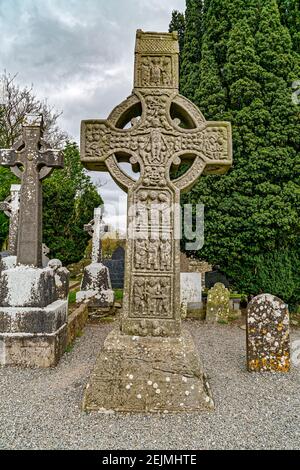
(149,363)
(268,341)
(96,288)
(217,307)
(33,319)
(11,208)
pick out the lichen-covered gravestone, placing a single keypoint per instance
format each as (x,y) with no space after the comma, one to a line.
(11,208)
(33,317)
(149,363)
(95,289)
(268,342)
(217,307)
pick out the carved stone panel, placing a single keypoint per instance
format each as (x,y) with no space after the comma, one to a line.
(151,297)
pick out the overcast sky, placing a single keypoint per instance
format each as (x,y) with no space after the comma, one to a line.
(79,55)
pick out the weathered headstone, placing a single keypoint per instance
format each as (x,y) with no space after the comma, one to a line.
(192,276)
(215,276)
(150,364)
(116,267)
(11,208)
(96,287)
(33,320)
(190,291)
(217,307)
(62,278)
(268,341)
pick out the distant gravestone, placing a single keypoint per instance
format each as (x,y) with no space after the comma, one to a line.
(118,254)
(190,291)
(217,307)
(268,344)
(96,289)
(215,276)
(116,267)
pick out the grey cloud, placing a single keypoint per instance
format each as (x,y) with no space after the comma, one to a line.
(78,53)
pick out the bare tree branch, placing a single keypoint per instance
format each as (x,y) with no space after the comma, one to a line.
(22,101)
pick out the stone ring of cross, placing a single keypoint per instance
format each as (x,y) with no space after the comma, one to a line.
(156,132)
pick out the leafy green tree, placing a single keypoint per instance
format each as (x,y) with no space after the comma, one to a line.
(69,201)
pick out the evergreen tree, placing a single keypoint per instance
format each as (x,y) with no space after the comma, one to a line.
(191,53)
(290,17)
(178,24)
(211,96)
(252,214)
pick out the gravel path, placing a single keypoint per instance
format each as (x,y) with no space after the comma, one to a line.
(40,409)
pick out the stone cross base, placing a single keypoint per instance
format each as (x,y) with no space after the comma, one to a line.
(33,315)
(33,337)
(148,374)
(96,288)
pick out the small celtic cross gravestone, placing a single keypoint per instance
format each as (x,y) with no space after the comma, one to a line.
(96,229)
(166,128)
(11,208)
(31,161)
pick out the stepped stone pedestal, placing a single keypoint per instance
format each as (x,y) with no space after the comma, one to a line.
(148,374)
(95,287)
(33,320)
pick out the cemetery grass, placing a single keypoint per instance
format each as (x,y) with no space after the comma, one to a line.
(41,409)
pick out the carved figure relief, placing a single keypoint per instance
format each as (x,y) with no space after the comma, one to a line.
(152,244)
(156,71)
(151,297)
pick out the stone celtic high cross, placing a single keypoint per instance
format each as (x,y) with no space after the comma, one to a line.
(154,129)
(96,229)
(31,161)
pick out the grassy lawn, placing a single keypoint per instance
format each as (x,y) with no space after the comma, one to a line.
(118,294)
